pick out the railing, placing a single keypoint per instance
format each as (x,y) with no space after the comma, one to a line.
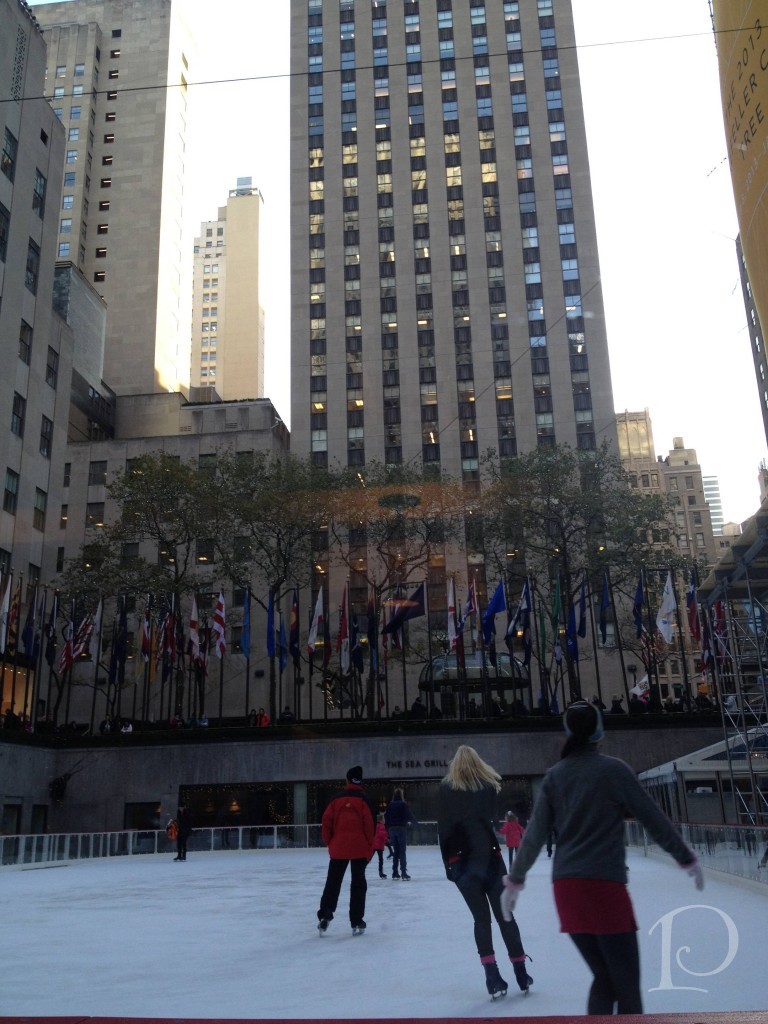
(30,850)
(732,849)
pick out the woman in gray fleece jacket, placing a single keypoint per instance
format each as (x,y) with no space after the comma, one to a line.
(585,798)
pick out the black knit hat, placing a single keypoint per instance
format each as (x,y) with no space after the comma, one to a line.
(583,721)
(355,775)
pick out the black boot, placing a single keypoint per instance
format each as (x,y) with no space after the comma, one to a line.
(494,982)
(522,977)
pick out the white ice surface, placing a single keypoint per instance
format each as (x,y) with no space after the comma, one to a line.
(234,935)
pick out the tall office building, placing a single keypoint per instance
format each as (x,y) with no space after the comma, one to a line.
(715,502)
(227,316)
(117,79)
(445,282)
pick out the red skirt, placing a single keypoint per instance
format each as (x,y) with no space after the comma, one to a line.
(590,906)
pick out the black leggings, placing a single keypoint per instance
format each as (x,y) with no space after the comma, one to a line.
(483,896)
(615,963)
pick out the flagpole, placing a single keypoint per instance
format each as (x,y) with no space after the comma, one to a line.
(68,670)
(29,656)
(591,605)
(617,633)
(16,641)
(147,666)
(683,659)
(653,660)
(543,687)
(38,661)
(7,592)
(96,673)
(248,654)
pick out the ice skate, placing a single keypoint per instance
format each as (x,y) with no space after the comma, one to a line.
(382,874)
(322,925)
(522,977)
(396,876)
(359,928)
(406,877)
(494,982)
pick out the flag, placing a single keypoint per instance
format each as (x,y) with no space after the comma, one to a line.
(342,639)
(160,652)
(694,622)
(637,607)
(522,622)
(316,627)
(373,634)
(50,632)
(28,633)
(219,627)
(470,606)
(245,636)
(194,632)
(397,632)
(605,604)
(94,641)
(496,605)
(356,648)
(453,626)
(570,635)
(13,621)
(582,630)
(293,631)
(706,645)
(270,624)
(83,634)
(665,618)
(39,626)
(407,608)
(67,658)
(5,603)
(327,648)
(555,616)
(542,632)
(283,656)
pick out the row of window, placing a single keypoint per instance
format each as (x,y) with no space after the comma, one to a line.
(11,499)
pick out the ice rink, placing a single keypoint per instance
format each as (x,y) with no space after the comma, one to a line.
(233,935)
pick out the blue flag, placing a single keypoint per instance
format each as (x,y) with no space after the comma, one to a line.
(271,625)
(405,609)
(496,605)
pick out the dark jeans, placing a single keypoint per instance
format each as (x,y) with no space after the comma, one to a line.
(181,845)
(615,963)
(399,839)
(381,861)
(357,890)
(483,897)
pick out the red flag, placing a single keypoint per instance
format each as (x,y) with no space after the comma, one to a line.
(67,652)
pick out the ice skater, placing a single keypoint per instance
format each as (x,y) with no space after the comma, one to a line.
(184,827)
(513,833)
(473,860)
(380,841)
(397,817)
(585,798)
(348,830)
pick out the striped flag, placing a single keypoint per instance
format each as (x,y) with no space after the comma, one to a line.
(219,627)
(316,629)
(453,631)
(194,632)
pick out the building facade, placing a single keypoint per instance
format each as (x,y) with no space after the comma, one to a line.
(117,74)
(445,281)
(715,502)
(227,316)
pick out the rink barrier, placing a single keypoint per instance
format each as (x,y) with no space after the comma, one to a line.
(719,1017)
(731,849)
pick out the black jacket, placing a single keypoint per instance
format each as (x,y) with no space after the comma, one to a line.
(465,826)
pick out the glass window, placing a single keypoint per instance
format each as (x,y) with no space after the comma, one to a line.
(63,250)
(11,493)
(71,156)
(38,514)
(52,368)
(94,514)
(25,342)
(5,223)
(17,414)
(32,270)
(97,473)
(79,70)
(46,437)
(8,156)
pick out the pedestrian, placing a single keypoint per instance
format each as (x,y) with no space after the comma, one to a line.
(348,830)
(585,797)
(184,826)
(262,719)
(513,832)
(397,817)
(473,860)
(380,840)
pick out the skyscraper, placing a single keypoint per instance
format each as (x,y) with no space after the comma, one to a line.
(117,79)
(227,316)
(445,283)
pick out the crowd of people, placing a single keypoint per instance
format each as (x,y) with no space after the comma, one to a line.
(580,812)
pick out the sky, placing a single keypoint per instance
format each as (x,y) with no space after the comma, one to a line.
(666,223)
(233,935)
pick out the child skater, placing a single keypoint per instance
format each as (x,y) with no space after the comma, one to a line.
(380,840)
(513,832)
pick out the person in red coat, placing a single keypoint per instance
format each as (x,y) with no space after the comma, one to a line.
(380,840)
(348,831)
(513,832)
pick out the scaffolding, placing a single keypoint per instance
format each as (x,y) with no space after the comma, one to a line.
(734,601)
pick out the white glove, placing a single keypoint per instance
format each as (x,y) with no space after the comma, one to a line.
(509,897)
(693,868)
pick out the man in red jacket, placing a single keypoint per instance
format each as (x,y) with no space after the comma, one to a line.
(349,825)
